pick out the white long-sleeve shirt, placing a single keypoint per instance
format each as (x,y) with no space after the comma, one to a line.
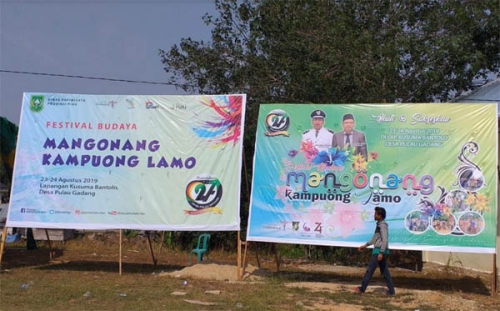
(321,139)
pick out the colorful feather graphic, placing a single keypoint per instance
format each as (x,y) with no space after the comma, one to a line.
(226,127)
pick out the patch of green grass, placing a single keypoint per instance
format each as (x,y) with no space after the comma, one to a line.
(78,290)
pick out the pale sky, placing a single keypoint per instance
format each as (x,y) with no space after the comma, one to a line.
(116,39)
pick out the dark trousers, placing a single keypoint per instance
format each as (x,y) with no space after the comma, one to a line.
(384,270)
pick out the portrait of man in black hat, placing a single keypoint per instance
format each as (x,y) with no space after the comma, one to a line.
(349,136)
(318,135)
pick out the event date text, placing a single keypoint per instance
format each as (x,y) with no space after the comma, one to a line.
(70,180)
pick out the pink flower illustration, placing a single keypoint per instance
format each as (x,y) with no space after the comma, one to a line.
(314,216)
(347,218)
(281,193)
(310,152)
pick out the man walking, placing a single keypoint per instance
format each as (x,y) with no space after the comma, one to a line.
(380,241)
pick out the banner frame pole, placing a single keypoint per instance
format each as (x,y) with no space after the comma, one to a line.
(2,246)
(151,248)
(494,280)
(238,261)
(50,244)
(120,254)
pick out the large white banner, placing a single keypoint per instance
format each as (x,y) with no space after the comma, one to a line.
(128,162)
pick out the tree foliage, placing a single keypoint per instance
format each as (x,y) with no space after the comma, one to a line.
(311,51)
(8,138)
(334,51)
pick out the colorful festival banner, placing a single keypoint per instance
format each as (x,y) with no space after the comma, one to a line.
(320,170)
(128,162)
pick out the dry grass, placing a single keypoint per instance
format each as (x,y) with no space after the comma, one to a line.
(84,276)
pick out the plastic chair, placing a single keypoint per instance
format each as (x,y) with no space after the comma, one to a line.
(201,248)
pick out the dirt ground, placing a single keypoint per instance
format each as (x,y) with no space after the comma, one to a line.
(432,297)
(440,300)
(445,288)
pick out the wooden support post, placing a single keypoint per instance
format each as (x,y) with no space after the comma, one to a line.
(51,255)
(257,256)
(2,246)
(276,257)
(120,255)
(238,262)
(244,264)
(494,281)
(151,248)
(162,241)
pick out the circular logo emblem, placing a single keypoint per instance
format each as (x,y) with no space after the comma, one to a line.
(203,191)
(277,120)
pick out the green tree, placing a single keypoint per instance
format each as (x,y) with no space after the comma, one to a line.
(8,138)
(327,51)
(340,51)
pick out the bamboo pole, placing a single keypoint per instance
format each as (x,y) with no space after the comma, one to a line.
(2,246)
(494,281)
(151,248)
(120,255)
(244,260)
(162,241)
(50,245)
(238,262)
(246,173)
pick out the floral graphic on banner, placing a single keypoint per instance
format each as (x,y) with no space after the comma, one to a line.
(226,126)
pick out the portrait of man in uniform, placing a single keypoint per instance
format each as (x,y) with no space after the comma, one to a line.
(319,135)
(349,136)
